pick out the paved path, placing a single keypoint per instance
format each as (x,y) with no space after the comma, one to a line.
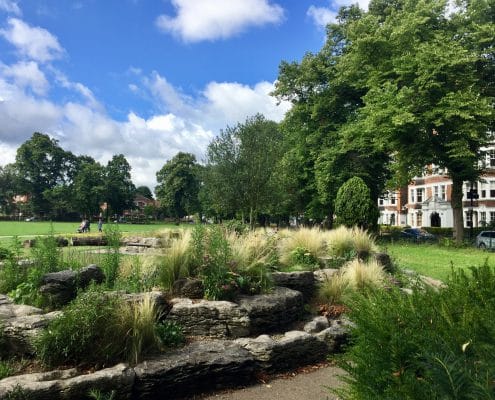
(303,386)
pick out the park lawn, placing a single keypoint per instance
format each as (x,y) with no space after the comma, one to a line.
(436,261)
(23,229)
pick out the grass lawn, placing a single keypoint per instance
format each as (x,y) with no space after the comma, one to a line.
(435,261)
(22,228)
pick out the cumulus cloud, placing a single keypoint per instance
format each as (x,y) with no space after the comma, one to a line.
(10,7)
(322,16)
(217,19)
(33,42)
(26,75)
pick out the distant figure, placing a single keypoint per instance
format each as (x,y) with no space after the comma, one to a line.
(100,225)
(82,226)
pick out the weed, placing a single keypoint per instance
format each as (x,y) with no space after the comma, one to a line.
(97,394)
(169,333)
(12,274)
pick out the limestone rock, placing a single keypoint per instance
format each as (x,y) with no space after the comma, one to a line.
(190,288)
(199,367)
(91,273)
(302,281)
(59,288)
(316,325)
(336,335)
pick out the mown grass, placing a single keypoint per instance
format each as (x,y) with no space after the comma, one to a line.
(22,228)
(436,261)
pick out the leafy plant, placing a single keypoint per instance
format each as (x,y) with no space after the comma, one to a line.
(97,394)
(12,274)
(169,333)
(111,259)
(432,344)
(6,369)
(86,332)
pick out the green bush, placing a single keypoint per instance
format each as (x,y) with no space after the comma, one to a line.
(12,274)
(427,345)
(111,259)
(87,332)
(169,333)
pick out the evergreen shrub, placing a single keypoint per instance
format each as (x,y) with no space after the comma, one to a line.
(431,344)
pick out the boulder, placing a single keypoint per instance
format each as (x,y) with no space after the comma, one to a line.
(70,384)
(316,325)
(199,367)
(220,319)
(91,273)
(322,275)
(162,304)
(272,312)
(294,349)
(336,335)
(59,288)
(302,281)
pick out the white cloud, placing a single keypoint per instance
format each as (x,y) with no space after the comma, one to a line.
(322,16)
(217,19)
(26,75)
(33,42)
(10,7)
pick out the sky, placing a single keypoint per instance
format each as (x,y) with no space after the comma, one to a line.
(146,78)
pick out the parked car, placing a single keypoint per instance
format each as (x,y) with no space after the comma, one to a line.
(30,219)
(417,234)
(486,240)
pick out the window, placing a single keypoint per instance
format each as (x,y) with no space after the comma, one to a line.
(443,192)
(491,158)
(483,218)
(380,201)
(483,193)
(492,216)
(412,196)
(435,191)
(419,196)
(492,188)
(419,219)
(392,200)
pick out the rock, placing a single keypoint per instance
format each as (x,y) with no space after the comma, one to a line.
(91,273)
(158,298)
(316,325)
(89,241)
(220,319)
(272,312)
(302,281)
(322,275)
(59,288)
(69,385)
(336,335)
(199,367)
(189,287)
(294,349)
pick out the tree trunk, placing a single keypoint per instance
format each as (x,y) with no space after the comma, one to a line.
(456,202)
(251,218)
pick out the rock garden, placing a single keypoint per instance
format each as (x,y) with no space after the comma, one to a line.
(187,312)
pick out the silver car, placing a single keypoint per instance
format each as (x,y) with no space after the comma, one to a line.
(486,240)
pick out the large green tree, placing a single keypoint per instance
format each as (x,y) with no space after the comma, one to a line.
(241,165)
(178,185)
(8,188)
(119,189)
(43,166)
(88,188)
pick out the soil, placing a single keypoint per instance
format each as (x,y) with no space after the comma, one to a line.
(309,383)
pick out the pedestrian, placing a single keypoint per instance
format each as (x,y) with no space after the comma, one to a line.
(100,225)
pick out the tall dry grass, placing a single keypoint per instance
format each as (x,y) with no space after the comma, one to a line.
(310,239)
(363,275)
(339,241)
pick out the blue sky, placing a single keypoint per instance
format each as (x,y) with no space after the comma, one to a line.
(146,78)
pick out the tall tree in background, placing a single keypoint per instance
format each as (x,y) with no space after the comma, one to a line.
(88,189)
(144,191)
(241,165)
(119,189)
(403,83)
(43,166)
(9,182)
(178,185)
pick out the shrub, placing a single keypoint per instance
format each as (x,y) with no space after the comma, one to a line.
(169,333)
(5,369)
(12,274)
(431,344)
(111,259)
(87,332)
(363,243)
(304,245)
(333,289)
(353,205)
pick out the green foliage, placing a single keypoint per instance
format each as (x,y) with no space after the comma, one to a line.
(87,332)
(176,262)
(430,344)
(5,253)
(119,189)
(303,257)
(12,274)
(353,204)
(169,333)
(6,369)
(178,185)
(99,395)
(111,259)
(18,393)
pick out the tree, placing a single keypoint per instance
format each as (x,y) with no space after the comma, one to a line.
(88,189)
(42,165)
(119,189)
(178,185)
(8,188)
(354,206)
(241,165)
(144,191)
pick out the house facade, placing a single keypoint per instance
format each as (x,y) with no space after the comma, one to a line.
(426,202)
